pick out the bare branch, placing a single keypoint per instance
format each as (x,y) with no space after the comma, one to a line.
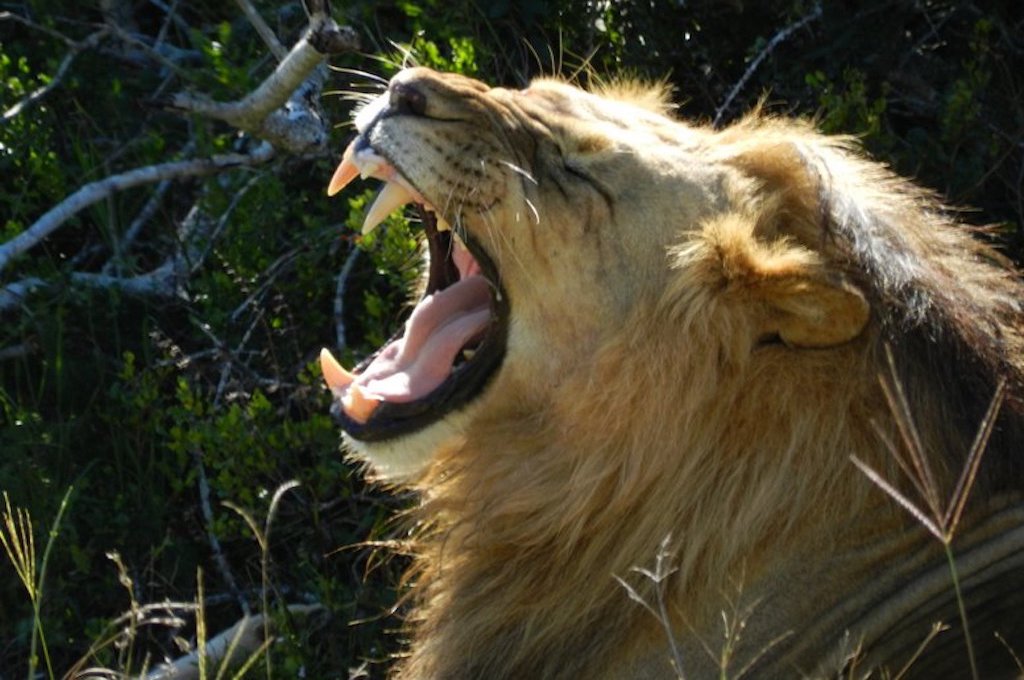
(76,48)
(279,110)
(162,282)
(267,35)
(11,16)
(339,298)
(218,555)
(123,244)
(241,641)
(772,44)
(97,191)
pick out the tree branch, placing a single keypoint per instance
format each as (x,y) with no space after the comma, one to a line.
(76,48)
(101,189)
(281,109)
(772,44)
(267,35)
(339,298)
(233,647)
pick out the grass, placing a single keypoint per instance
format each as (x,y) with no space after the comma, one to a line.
(18,539)
(941,520)
(233,653)
(734,621)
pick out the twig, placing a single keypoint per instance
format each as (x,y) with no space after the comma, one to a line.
(772,44)
(161,35)
(153,53)
(218,554)
(76,48)
(223,220)
(339,299)
(267,35)
(123,244)
(172,16)
(268,276)
(11,16)
(101,189)
(295,82)
(245,639)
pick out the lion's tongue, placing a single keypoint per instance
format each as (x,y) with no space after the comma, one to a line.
(440,326)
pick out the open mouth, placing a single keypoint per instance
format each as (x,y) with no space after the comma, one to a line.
(453,340)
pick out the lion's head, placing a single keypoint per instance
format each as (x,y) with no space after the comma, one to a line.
(636,328)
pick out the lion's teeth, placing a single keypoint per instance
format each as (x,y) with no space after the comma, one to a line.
(336,377)
(390,198)
(345,173)
(442,224)
(358,405)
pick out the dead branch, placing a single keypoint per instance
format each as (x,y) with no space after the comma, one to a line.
(267,35)
(76,48)
(339,299)
(756,62)
(101,189)
(234,646)
(195,235)
(282,109)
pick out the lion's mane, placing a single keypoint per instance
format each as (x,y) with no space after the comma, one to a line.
(817,309)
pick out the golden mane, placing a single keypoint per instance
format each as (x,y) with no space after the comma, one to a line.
(695,324)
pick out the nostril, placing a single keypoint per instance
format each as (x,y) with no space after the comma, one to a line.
(408,99)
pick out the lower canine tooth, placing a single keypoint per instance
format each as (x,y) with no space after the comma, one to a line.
(336,377)
(358,405)
(390,198)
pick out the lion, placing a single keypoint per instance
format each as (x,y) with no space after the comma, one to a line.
(663,385)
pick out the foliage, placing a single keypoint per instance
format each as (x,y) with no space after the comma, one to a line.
(138,402)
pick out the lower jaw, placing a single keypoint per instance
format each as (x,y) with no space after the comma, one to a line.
(403,458)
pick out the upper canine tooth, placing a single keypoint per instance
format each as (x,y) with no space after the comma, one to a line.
(442,224)
(390,198)
(346,172)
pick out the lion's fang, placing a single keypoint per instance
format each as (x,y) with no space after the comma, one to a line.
(392,197)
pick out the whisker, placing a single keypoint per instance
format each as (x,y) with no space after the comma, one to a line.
(533,209)
(349,95)
(381,80)
(408,59)
(519,171)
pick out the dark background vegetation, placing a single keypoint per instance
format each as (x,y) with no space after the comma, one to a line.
(142,403)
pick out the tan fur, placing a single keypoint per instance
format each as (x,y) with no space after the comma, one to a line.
(696,341)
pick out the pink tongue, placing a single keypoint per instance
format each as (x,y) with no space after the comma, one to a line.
(440,326)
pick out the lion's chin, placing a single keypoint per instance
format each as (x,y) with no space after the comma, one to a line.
(402,459)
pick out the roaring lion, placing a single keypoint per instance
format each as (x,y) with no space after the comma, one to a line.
(663,386)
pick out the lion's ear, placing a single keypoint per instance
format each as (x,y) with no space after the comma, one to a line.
(804,301)
(815,310)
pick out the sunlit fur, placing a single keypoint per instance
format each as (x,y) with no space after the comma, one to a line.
(697,337)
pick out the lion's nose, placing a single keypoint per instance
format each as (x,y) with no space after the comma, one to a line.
(408,99)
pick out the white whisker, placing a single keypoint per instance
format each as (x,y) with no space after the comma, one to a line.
(382,81)
(518,170)
(533,209)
